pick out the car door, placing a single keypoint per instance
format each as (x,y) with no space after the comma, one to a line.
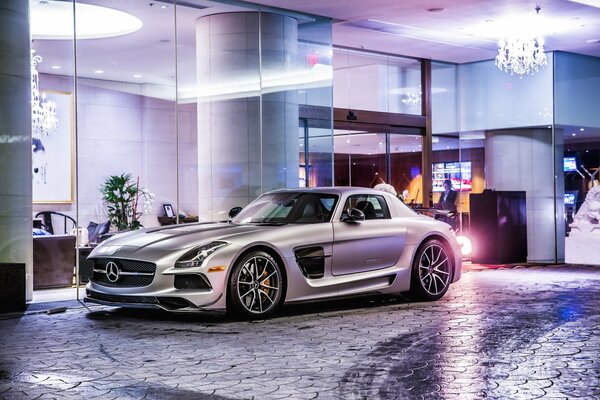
(367,245)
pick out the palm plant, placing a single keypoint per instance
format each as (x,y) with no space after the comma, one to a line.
(122,197)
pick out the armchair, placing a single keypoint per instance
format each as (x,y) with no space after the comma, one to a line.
(68,223)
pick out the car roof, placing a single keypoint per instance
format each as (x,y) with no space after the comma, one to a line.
(339,190)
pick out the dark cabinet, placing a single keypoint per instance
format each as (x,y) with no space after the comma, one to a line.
(498,227)
(53,261)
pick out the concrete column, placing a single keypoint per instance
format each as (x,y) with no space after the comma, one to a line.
(247,121)
(523,159)
(15,138)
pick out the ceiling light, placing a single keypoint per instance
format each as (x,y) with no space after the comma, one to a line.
(521,54)
(593,41)
(98,71)
(591,3)
(55,67)
(137,75)
(54,20)
(581,129)
(573,134)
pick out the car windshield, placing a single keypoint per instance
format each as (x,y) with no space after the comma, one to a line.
(288,208)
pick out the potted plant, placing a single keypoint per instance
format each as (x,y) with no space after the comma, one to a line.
(125,201)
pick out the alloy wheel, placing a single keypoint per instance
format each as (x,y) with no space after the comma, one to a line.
(258,285)
(434,269)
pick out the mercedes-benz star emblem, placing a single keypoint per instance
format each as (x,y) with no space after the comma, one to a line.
(112,271)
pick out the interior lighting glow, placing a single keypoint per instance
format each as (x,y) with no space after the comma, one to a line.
(465,245)
(54,20)
(272,81)
(523,24)
(98,71)
(55,67)
(591,3)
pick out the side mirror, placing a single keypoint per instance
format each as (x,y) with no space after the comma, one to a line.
(234,211)
(353,215)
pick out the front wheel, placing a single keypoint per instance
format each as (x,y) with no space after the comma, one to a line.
(255,285)
(432,271)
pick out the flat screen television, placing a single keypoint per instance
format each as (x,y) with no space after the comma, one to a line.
(569,164)
(459,174)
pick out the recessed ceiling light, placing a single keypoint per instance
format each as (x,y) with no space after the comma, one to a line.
(54,20)
(137,75)
(55,67)
(436,9)
(98,71)
(573,134)
(163,6)
(581,129)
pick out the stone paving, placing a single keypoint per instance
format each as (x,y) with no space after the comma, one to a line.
(521,333)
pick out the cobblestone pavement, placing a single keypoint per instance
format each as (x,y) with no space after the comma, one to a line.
(519,333)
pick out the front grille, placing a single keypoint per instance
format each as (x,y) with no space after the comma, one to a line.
(131,273)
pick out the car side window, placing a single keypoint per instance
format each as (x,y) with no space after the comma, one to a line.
(373,206)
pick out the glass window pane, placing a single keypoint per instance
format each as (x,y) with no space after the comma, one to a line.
(406,166)
(360,157)
(404,85)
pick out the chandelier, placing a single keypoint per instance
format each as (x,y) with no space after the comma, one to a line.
(43,111)
(521,55)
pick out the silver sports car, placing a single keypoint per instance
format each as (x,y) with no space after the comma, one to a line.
(286,246)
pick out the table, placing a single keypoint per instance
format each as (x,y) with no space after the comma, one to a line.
(172,220)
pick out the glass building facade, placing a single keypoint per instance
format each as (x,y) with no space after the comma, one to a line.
(207,108)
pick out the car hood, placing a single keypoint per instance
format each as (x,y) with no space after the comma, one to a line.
(179,237)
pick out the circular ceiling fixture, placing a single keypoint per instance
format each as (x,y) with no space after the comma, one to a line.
(54,20)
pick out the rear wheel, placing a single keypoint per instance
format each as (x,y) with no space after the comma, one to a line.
(431,271)
(255,285)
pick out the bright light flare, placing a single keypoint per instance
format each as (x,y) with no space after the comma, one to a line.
(54,20)
(465,245)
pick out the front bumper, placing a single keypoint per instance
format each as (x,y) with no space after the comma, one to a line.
(171,303)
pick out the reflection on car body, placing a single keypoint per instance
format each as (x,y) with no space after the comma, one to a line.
(286,246)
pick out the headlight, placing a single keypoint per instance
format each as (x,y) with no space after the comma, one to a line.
(196,256)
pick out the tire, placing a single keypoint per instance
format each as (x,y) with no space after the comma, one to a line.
(255,286)
(431,271)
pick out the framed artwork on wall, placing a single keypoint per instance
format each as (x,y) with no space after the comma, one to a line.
(52,158)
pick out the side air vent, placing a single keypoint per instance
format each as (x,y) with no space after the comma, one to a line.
(191,282)
(311,261)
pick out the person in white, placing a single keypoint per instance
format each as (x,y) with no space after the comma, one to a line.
(379,184)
